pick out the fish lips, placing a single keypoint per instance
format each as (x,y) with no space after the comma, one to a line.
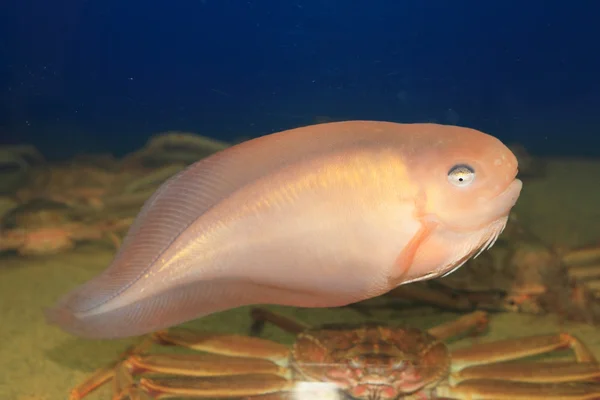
(488,211)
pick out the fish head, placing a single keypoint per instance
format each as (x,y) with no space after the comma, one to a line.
(468,187)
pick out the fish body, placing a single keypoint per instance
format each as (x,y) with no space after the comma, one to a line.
(318,216)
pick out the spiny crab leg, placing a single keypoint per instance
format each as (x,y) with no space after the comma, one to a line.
(422,292)
(581,256)
(203,365)
(232,366)
(262,315)
(225,387)
(124,386)
(107,373)
(94,381)
(476,320)
(585,271)
(226,345)
(587,276)
(490,389)
(523,379)
(531,371)
(511,349)
(583,264)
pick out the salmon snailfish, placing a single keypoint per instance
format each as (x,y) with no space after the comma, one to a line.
(318,216)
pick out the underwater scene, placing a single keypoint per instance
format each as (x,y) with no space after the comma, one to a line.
(221,199)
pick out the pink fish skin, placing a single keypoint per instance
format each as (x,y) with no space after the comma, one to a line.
(318,216)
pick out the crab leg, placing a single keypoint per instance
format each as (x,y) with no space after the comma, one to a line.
(531,371)
(490,389)
(580,256)
(594,285)
(198,375)
(234,358)
(204,365)
(476,320)
(215,387)
(262,315)
(233,366)
(226,345)
(105,374)
(512,349)
(133,393)
(97,379)
(423,293)
(518,380)
(523,379)
(585,271)
(124,387)
(248,387)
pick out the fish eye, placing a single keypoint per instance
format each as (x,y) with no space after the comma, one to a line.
(461,175)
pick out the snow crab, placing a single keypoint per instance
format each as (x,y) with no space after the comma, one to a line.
(519,274)
(369,361)
(91,189)
(574,290)
(44,227)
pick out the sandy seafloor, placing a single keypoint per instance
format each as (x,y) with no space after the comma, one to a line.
(40,362)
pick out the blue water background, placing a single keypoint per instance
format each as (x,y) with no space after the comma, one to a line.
(79,76)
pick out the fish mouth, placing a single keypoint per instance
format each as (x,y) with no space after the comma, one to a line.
(488,214)
(507,198)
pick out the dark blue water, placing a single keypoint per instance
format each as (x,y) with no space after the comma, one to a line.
(103,75)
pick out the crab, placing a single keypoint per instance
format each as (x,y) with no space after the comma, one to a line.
(77,184)
(51,240)
(369,361)
(42,227)
(45,240)
(583,265)
(519,274)
(512,278)
(574,290)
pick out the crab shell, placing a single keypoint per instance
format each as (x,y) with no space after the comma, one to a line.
(371,361)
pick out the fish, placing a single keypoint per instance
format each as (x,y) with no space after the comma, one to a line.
(323,215)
